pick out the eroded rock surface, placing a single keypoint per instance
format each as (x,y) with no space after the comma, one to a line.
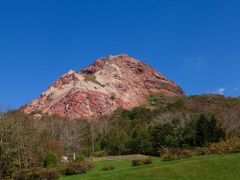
(110,83)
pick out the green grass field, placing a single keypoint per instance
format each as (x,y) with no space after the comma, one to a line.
(203,167)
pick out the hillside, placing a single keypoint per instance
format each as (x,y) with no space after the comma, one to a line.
(185,108)
(205,167)
(110,83)
(122,82)
(162,122)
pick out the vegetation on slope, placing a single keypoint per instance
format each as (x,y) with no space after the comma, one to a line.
(201,167)
(184,108)
(92,78)
(166,122)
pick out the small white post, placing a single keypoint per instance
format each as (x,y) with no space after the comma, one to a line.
(74,156)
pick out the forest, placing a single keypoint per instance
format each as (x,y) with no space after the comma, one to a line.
(27,141)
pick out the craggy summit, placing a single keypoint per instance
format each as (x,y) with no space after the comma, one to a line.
(110,83)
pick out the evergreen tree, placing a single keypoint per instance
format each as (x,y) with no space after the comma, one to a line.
(50,160)
(202,131)
(213,130)
(207,131)
(140,142)
(115,142)
(158,136)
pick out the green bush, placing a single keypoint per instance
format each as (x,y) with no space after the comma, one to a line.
(169,157)
(147,161)
(50,160)
(76,168)
(80,158)
(199,151)
(113,97)
(100,154)
(92,78)
(36,174)
(231,145)
(157,98)
(170,154)
(108,168)
(139,162)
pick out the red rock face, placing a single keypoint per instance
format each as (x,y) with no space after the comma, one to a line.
(110,83)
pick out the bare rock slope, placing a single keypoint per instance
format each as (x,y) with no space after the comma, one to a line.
(110,83)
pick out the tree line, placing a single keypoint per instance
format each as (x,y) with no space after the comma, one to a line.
(25,140)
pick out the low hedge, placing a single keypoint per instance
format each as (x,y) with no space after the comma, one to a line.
(76,168)
(231,145)
(147,161)
(139,162)
(170,154)
(108,168)
(100,154)
(36,174)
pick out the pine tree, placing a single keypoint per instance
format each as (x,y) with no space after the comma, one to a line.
(140,142)
(202,131)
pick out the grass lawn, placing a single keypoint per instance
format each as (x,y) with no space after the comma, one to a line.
(202,167)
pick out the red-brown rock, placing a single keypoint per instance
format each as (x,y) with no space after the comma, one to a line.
(110,83)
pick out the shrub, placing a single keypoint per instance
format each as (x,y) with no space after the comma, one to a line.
(231,145)
(36,174)
(76,168)
(113,97)
(157,98)
(80,158)
(108,168)
(187,153)
(137,162)
(147,161)
(50,160)
(197,151)
(92,78)
(170,154)
(100,154)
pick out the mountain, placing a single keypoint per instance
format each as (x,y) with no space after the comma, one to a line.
(187,108)
(110,83)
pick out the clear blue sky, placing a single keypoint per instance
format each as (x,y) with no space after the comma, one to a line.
(193,42)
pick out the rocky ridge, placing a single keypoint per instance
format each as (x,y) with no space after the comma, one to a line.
(110,83)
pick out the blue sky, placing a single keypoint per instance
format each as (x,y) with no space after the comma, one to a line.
(194,43)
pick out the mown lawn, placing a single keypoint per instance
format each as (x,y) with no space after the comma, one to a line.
(203,167)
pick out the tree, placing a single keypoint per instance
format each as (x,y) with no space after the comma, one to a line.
(140,141)
(50,160)
(202,131)
(8,157)
(171,141)
(188,136)
(216,133)
(159,135)
(138,115)
(115,141)
(207,131)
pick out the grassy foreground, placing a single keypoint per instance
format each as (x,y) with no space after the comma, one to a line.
(202,167)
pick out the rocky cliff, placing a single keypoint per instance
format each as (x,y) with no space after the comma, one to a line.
(110,83)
